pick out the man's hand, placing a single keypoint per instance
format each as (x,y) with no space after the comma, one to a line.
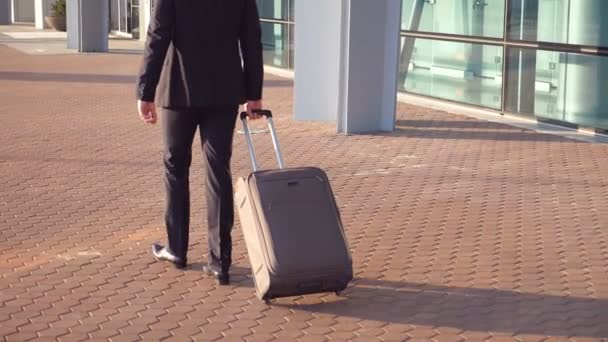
(251,106)
(147,111)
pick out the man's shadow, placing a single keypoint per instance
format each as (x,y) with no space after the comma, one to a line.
(469,309)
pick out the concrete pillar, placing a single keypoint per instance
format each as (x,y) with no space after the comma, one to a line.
(584,78)
(87,25)
(6,12)
(42,9)
(145,7)
(346,63)
(71,18)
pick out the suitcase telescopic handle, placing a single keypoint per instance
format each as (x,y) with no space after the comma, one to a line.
(273,134)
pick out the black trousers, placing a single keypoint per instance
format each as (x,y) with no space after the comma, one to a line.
(216,125)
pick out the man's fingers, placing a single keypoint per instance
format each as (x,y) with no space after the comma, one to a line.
(151,118)
(147,111)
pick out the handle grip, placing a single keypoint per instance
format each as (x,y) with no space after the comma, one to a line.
(263,112)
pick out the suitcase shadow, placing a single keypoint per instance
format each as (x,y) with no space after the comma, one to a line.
(468,309)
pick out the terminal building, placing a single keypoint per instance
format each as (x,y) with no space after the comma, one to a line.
(546,60)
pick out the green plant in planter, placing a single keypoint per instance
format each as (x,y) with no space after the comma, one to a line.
(59,8)
(57,18)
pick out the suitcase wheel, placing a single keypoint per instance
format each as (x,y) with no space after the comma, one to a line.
(267,301)
(338,293)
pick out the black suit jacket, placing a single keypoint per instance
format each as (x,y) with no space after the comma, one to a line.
(196,45)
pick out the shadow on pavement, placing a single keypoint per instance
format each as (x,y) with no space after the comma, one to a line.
(463,130)
(469,309)
(61,77)
(475,124)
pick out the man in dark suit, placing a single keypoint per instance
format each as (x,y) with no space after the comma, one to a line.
(210,55)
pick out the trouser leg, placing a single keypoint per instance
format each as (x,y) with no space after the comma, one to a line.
(217,131)
(179,128)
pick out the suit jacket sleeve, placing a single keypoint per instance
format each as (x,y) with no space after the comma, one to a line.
(160,34)
(251,50)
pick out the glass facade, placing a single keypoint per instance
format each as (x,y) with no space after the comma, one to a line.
(124,17)
(543,58)
(464,72)
(277,31)
(580,22)
(460,17)
(567,87)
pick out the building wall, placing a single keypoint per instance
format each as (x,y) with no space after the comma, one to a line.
(472,53)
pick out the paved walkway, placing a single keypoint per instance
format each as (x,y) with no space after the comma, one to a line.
(460,229)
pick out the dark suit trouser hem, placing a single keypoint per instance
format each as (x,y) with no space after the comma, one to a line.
(216,127)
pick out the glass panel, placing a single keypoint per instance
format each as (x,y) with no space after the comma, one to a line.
(275,44)
(128,12)
(463,17)
(468,73)
(560,21)
(123,15)
(114,26)
(291,45)
(273,9)
(559,86)
(135,18)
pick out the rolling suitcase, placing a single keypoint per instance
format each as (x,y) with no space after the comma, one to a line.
(292,228)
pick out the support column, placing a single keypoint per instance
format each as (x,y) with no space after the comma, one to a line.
(346,63)
(71,18)
(5,12)
(145,7)
(42,9)
(87,24)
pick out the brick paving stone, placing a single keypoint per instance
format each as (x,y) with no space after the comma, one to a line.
(447,338)
(262,337)
(103,334)
(7,330)
(127,338)
(134,329)
(458,228)
(312,338)
(155,335)
(53,332)
(422,333)
(289,334)
(530,337)
(20,337)
(502,339)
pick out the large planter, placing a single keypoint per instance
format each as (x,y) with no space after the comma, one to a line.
(57,23)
